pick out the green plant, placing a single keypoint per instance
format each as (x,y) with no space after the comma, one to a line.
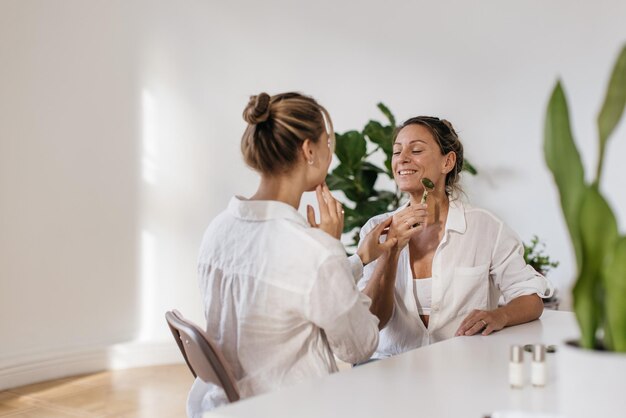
(356,175)
(600,289)
(535,256)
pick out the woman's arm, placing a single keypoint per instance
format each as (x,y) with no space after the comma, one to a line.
(518,311)
(381,286)
(382,282)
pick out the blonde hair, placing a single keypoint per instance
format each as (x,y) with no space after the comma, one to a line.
(278,126)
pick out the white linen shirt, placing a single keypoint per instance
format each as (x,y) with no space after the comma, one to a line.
(478,259)
(280,299)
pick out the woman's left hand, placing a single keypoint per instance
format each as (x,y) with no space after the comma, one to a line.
(331,212)
(485,321)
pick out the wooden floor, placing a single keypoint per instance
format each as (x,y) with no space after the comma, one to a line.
(150,392)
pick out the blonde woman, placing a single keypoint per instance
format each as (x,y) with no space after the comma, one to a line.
(279,293)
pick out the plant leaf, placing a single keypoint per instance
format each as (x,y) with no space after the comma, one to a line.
(467,166)
(598,229)
(614,278)
(350,149)
(380,135)
(564,162)
(387,113)
(613,106)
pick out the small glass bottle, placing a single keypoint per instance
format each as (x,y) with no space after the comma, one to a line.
(539,370)
(516,367)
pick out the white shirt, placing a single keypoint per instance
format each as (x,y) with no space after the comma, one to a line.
(478,259)
(280,299)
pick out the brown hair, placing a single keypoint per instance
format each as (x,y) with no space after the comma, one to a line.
(277,127)
(448,141)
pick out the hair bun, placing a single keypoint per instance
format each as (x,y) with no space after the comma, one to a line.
(258,109)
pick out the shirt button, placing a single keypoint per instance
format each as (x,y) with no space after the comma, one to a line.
(435,308)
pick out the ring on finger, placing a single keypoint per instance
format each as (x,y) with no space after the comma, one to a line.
(484,323)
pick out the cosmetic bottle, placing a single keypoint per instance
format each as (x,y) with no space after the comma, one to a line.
(538,368)
(516,367)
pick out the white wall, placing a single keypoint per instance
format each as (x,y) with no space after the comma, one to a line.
(120,124)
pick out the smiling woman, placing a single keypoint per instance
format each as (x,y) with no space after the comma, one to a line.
(452,262)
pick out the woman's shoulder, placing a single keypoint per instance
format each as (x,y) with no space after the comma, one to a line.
(478,214)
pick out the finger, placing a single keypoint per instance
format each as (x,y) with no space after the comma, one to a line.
(477,327)
(389,244)
(340,215)
(310,215)
(488,329)
(322,203)
(466,323)
(380,228)
(331,202)
(340,211)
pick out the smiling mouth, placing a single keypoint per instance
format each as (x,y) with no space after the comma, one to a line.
(406,172)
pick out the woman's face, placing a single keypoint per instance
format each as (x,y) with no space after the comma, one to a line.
(416,155)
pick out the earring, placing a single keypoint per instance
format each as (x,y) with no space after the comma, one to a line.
(310,162)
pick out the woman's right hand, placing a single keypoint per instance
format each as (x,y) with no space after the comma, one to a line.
(331,212)
(407,223)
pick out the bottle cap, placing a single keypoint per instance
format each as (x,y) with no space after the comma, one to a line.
(517,354)
(539,352)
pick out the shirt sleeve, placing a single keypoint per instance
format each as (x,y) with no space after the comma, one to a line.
(368,270)
(337,306)
(356,266)
(511,274)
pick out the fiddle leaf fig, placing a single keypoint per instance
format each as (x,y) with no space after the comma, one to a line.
(350,148)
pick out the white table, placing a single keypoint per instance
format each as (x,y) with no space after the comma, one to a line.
(460,377)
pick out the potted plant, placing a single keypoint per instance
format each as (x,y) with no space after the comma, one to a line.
(535,256)
(599,293)
(356,174)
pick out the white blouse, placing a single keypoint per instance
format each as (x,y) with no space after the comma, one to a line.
(478,259)
(280,299)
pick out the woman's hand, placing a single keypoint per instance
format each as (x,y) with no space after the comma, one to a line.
(331,212)
(406,223)
(370,247)
(485,321)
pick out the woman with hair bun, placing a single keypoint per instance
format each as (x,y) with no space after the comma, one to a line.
(445,276)
(279,294)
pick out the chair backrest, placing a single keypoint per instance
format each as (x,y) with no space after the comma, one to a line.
(202,356)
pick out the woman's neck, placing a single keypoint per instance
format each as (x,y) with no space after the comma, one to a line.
(283,188)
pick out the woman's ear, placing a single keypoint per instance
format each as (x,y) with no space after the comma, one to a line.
(449,162)
(307,151)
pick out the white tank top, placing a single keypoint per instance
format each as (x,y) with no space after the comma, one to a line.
(423,292)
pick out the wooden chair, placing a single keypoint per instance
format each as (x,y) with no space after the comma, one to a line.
(201,355)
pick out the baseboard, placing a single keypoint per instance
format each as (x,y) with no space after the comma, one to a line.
(37,367)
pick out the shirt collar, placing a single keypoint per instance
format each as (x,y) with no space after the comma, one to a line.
(456,216)
(263,210)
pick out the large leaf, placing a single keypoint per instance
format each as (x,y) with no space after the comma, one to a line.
(613,106)
(598,229)
(350,149)
(380,135)
(614,278)
(564,162)
(388,114)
